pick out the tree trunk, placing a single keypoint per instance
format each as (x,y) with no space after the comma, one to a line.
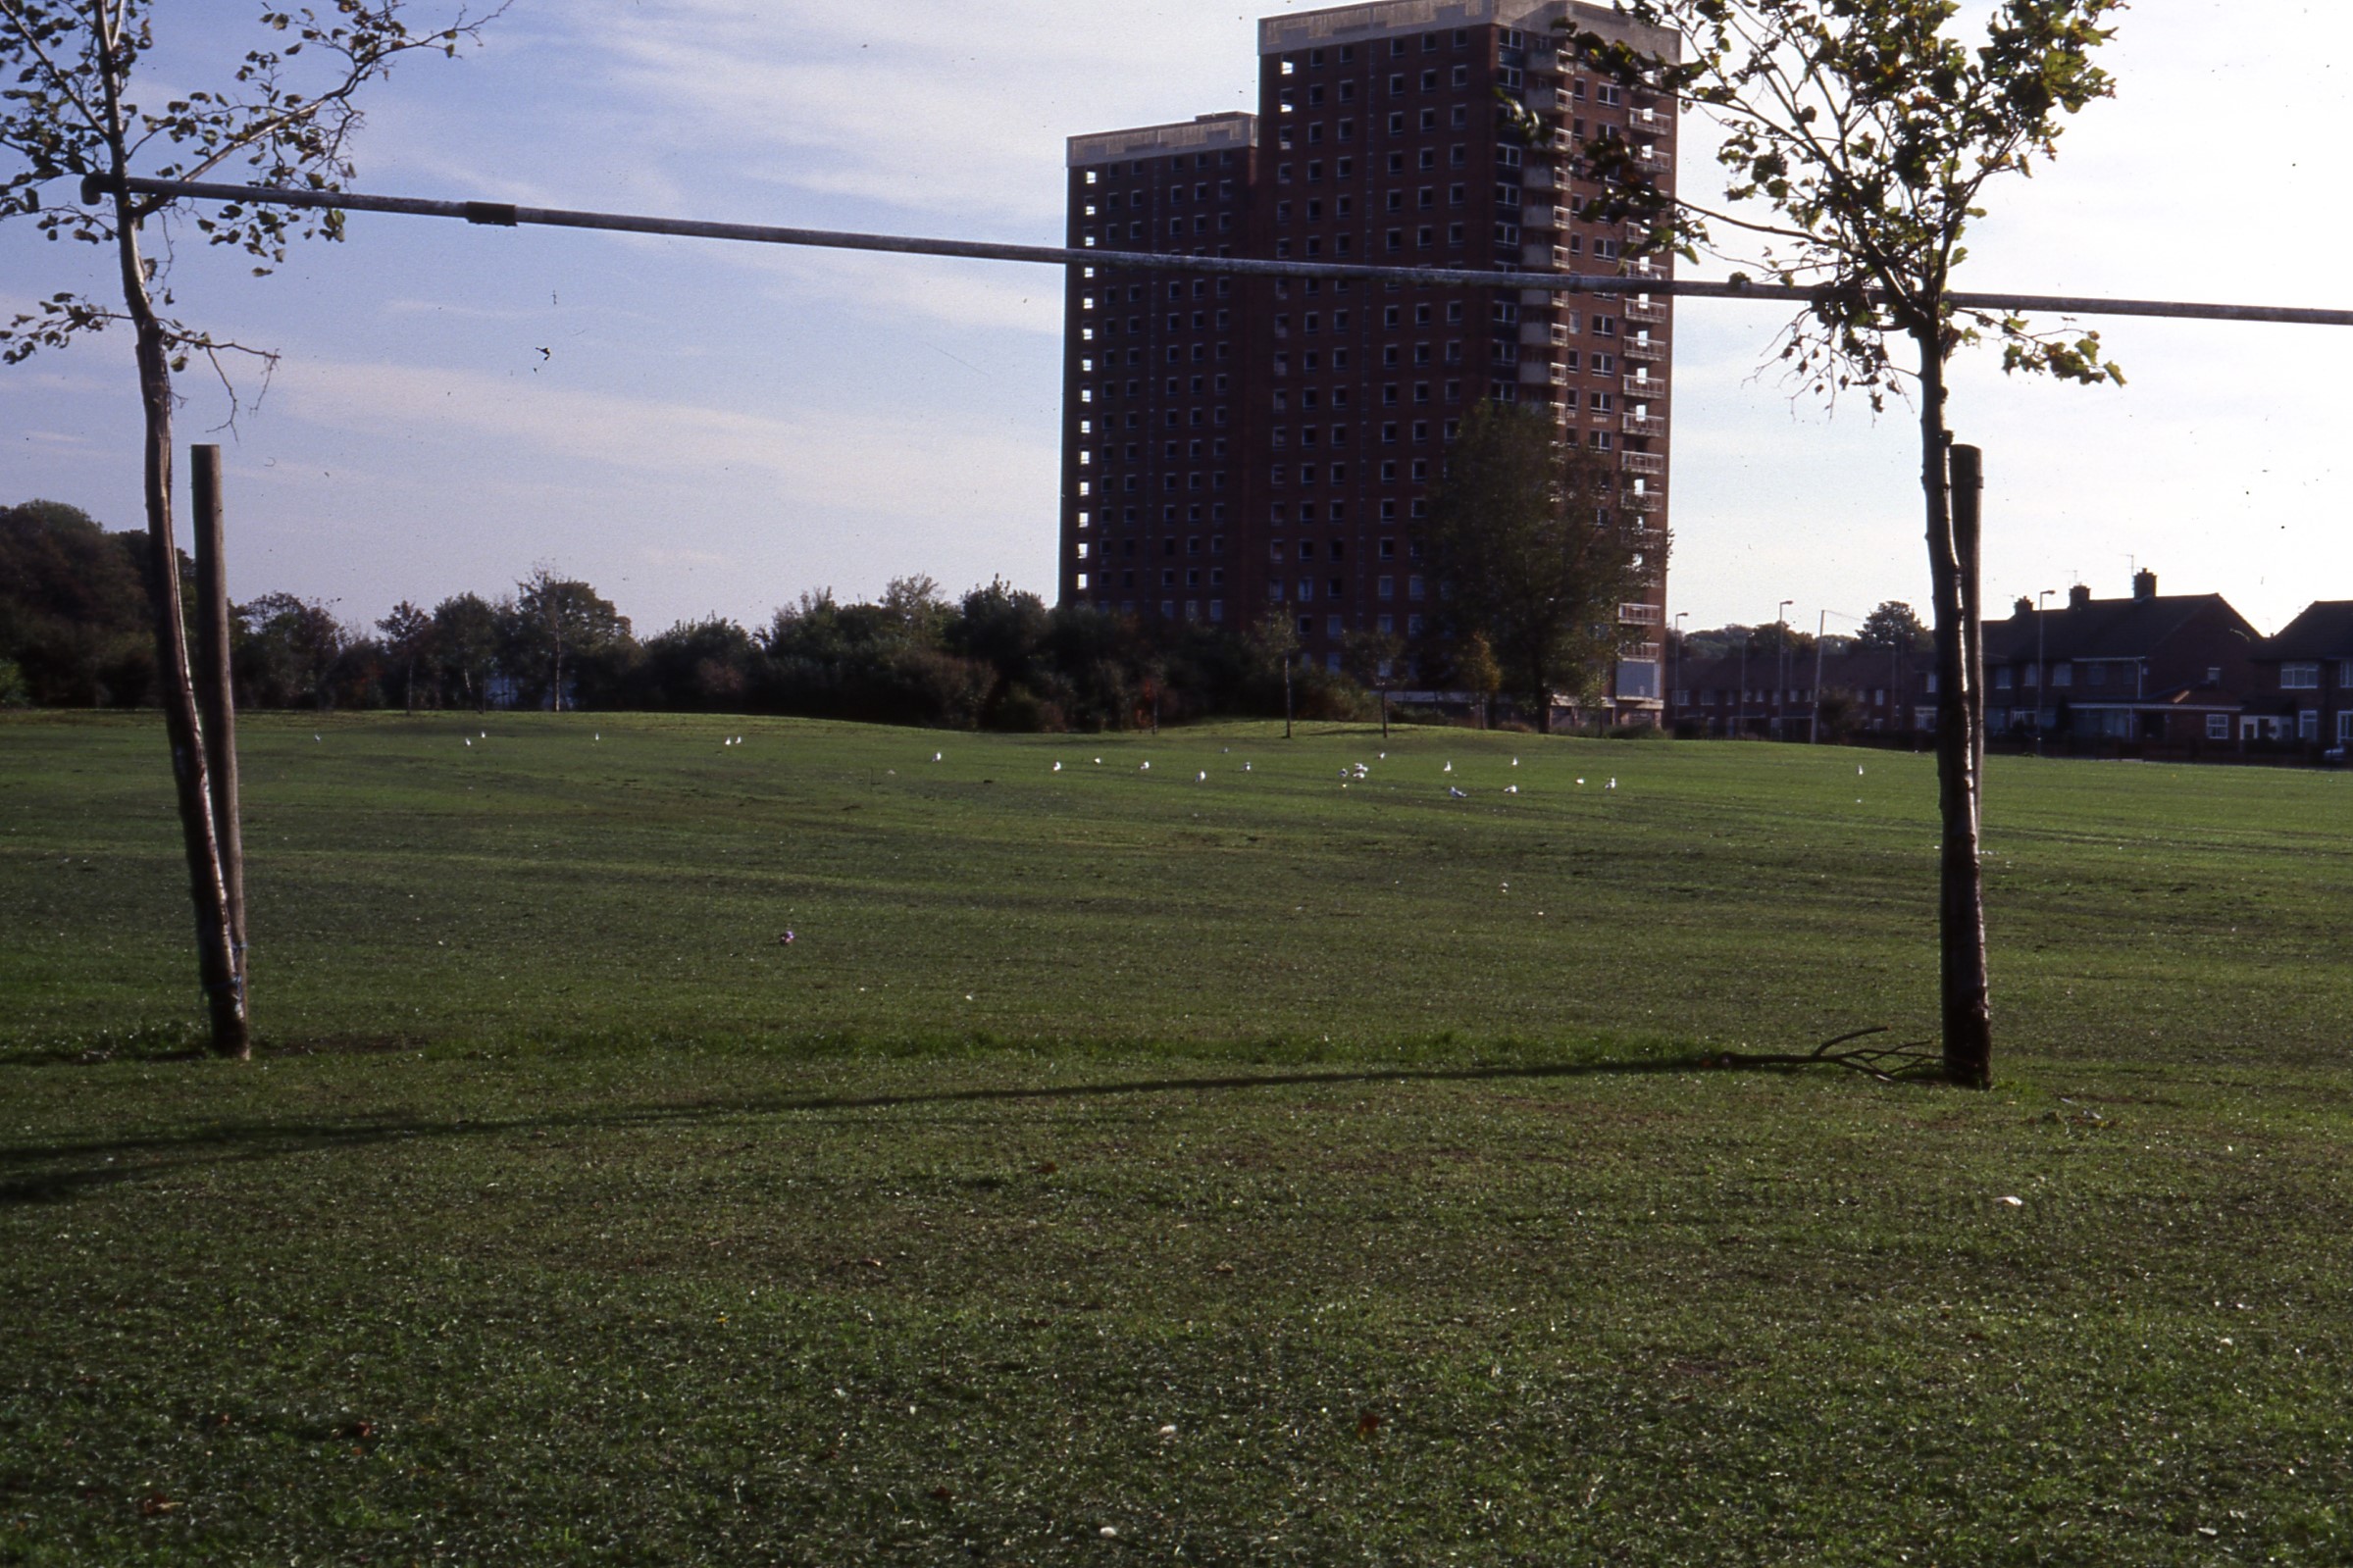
(225,998)
(216,700)
(1961,893)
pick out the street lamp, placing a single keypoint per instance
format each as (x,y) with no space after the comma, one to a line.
(1781,668)
(1674,678)
(1740,719)
(1821,635)
(2042,667)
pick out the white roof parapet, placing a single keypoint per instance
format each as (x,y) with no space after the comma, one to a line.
(1203,133)
(1386,19)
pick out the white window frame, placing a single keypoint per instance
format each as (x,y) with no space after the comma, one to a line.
(2300,676)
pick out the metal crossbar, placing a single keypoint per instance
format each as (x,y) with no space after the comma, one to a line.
(504,216)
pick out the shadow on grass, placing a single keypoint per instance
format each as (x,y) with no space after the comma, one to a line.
(131,1159)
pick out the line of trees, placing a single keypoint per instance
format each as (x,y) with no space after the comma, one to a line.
(74,634)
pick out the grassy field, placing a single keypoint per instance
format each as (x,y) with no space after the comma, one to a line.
(1121,1164)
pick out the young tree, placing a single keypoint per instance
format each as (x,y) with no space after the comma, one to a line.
(1275,640)
(1476,668)
(1372,658)
(1535,552)
(78,106)
(1859,136)
(408,637)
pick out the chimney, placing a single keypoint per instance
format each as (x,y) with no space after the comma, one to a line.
(2144,585)
(2078,596)
(2024,608)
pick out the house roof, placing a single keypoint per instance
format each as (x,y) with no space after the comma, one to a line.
(2325,631)
(2104,628)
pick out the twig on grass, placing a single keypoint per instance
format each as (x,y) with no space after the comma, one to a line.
(1889,1064)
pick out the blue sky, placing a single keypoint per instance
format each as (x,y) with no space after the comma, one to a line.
(705,428)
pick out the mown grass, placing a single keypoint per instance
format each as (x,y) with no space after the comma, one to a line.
(1262,1171)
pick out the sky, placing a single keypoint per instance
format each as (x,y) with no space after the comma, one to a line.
(700,429)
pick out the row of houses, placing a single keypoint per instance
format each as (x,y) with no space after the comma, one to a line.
(2182,673)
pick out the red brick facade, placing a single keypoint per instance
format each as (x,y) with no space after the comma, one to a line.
(1236,449)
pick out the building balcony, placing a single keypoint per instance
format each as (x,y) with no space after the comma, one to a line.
(1545,217)
(1638,351)
(1640,615)
(1536,373)
(1652,387)
(1643,425)
(1653,313)
(1537,334)
(1640,500)
(1644,462)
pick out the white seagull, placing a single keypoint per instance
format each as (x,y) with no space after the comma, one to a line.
(1058,767)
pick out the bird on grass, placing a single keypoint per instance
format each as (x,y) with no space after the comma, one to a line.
(1058,767)
(1203,779)
(1611,784)
(1456,793)
(938,756)
(1511,790)
(1146,768)
(1448,767)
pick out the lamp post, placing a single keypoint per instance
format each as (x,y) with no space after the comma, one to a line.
(1782,670)
(1813,724)
(2042,666)
(1674,678)
(1740,717)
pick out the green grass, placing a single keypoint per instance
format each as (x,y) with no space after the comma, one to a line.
(570,1217)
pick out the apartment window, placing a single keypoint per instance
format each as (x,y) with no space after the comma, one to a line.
(2218,727)
(2294,678)
(2345,725)
(2062,674)
(1415,588)
(1386,590)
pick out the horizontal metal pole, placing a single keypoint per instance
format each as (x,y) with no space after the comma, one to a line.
(502,215)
